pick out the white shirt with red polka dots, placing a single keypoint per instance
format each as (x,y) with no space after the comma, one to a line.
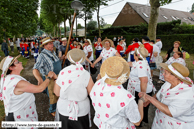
(180,102)
(107,53)
(115,107)
(139,69)
(87,49)
(22,106)
(73,100)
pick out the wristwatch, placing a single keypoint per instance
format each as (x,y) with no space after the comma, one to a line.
(142,99)
(48,78)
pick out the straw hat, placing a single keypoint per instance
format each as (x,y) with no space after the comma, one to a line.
(3,61)
(179,68)
(109,40)
(143,51)
(115,67)
(64,39)
(88,41)
(76,55)
(45,41)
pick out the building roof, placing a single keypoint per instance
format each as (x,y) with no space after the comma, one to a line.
(165,15)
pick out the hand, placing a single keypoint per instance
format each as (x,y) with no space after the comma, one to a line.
(51,74)
(92,65)
(54,76)
(146,103)
(130,64)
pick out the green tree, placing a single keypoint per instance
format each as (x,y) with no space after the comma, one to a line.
(192,9)
(154,12)
(92,25)
(79,26)
(102,23)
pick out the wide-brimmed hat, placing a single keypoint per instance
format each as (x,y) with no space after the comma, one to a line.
(64,39)
(75,55)
(117,70)
(141,52)
(45,41)
(109,40)
(178,70)
(5,68)
(88,41)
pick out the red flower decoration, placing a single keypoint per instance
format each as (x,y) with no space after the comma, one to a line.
(98,116)
(93,104)
(101,94)
(140,67)
(81,68)
(69,71)
(77,68)
(99,104)
(70,81)
(112,94)
(108,105)
(19,117)
(12,78)
(119,87)
(27,116)
(63,83)
(33,112)
(62,73)
(122,104)
(4,88)
(129,95)
(107,115)
(168,93)
(94,93)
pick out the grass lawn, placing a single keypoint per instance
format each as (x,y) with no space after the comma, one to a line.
(24,62)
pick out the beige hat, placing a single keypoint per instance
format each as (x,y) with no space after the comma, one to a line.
(117,69)
(64,39)
(76,55)
(177,67)
(45,41)
(88,41)
(3,61)
(141,52)
(109,40)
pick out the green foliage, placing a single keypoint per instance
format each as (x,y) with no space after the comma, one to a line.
(192,9)
(102,22)
(164,2)
(92,25)
(79,26)
(18,17)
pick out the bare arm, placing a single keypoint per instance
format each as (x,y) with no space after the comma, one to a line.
(143,83)
(96,61)
(140,107)
(89,54)
(37,75)
(162,107)
(90,85)
(57,89)
(117,54)
(88,61)
(24,86)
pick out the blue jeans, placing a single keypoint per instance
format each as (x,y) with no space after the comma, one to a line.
(98,54)
(6,52)
(148,59)
(52,107)
(132,57)
(121,53)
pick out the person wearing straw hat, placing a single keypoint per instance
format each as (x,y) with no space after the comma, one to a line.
(140,79)
(175,100)
(47,61)
(72,86)
(177,57)
(115,107)
(107,52)
(17,93)
(62,50)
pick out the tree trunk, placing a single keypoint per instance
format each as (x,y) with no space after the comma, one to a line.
(65,26)
(152,26)
(76,27)
(59,30)
(54,30)
(85,25)
(98,18)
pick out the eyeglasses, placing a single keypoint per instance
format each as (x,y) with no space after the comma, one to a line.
(16,62)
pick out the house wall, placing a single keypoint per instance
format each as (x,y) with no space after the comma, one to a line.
(128,17)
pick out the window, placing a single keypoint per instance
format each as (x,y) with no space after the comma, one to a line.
(173,18)
(145,15)
(185,19)
(164,17)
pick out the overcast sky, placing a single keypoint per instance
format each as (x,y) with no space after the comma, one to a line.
(110,12)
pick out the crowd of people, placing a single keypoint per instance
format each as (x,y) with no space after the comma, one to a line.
(64,73)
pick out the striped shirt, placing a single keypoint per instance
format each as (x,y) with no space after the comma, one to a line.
(45,62)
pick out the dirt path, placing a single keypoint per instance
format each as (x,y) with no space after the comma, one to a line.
(42,101)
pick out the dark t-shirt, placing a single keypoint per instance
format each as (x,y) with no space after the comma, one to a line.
(63,49)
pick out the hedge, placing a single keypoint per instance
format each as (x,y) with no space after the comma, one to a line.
(165,28)
(187,40)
